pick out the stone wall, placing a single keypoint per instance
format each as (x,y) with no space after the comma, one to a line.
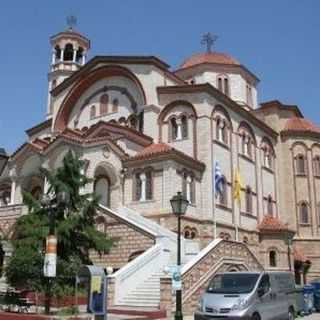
(129,242)
(224,256)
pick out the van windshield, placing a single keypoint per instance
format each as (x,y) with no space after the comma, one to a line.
(233,283)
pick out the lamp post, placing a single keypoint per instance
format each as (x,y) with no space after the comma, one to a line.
(179,206)
(289,237)
(52,205)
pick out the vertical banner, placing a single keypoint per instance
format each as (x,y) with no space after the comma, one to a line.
(50,259)
(98,295)
(176,278)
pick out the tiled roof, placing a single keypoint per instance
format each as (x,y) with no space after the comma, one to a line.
(270,223)
(158,149)
(209,57)
(300,124)
(153,149)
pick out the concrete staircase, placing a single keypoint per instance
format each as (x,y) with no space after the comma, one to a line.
(146,294)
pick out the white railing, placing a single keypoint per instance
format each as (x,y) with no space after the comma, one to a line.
(137,271)
(12,210)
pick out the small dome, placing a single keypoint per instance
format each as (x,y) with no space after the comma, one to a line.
(209,57)
(300,124)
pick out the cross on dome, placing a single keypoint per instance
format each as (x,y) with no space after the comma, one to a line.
(209,39)
(71,21)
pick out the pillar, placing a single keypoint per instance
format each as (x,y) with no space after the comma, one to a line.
(83,58)
(13,191)
(143,179)
(74,55)
(179,129)
(61,55)
(53,60)
(189,180)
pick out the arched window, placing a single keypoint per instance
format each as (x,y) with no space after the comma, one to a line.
(248,200)
(304,213)
(92,112)
(189,233)
(102,190)
(300,164)
(79,55)
(245,239)
(143,186)
(184,125)
(104,101)
(174,129)
(223,195)
(316,163)
(249,96)
(246,143)
(221,131)
(57,53)
(223,84)
(68,52)
(188,187)
(272,258)
(5,198)
(270,206)
(115,105)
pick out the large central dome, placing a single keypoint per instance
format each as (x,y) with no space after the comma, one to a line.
(209,57)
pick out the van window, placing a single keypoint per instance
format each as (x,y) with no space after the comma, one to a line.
(265,283)
(233,283)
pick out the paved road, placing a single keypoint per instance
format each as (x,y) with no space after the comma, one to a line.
(314,316)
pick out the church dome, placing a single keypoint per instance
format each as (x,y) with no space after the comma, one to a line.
(301,124)
(209,57)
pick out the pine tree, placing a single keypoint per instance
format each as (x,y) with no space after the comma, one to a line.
(74,227)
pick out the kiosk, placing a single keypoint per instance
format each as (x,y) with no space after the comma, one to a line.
(96,282)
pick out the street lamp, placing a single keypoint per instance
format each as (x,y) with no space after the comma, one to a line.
(52,205)
(289,237)
(179,206)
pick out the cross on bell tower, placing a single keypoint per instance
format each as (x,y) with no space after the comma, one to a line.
(71,22)
(209,40)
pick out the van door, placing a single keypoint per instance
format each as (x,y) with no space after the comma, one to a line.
(264,300)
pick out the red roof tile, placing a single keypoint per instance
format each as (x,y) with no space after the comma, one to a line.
(270,223)
(301,124)
(153,149)
(157,149)
(209,57)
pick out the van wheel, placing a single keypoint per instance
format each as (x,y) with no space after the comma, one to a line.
(256,316)
(291,314)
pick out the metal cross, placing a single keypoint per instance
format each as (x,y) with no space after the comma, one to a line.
(71,21)
(209,39)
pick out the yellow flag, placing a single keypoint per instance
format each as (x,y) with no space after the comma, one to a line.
(96,284)
(237,186)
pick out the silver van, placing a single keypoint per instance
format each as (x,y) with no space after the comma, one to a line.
(248,295)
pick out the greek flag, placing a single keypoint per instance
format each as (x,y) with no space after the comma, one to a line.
(218,179)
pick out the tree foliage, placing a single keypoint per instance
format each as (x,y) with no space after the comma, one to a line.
(74,227)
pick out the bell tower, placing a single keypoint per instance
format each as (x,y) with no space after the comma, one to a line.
(69,52)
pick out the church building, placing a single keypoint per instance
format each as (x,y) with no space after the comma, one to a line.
(147,131)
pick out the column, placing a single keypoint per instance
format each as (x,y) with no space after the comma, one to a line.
(179,129)
(74,55)
(61,55)
(13,191)
(83,58)
(53,60)
(143,179)
(189,180)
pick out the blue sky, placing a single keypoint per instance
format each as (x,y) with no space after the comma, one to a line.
(276,39)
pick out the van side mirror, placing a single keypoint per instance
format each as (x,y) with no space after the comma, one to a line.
(261,291)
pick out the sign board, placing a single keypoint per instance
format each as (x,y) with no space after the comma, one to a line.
(50,259)
(176,278)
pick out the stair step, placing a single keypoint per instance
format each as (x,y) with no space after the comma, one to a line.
(142,295)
